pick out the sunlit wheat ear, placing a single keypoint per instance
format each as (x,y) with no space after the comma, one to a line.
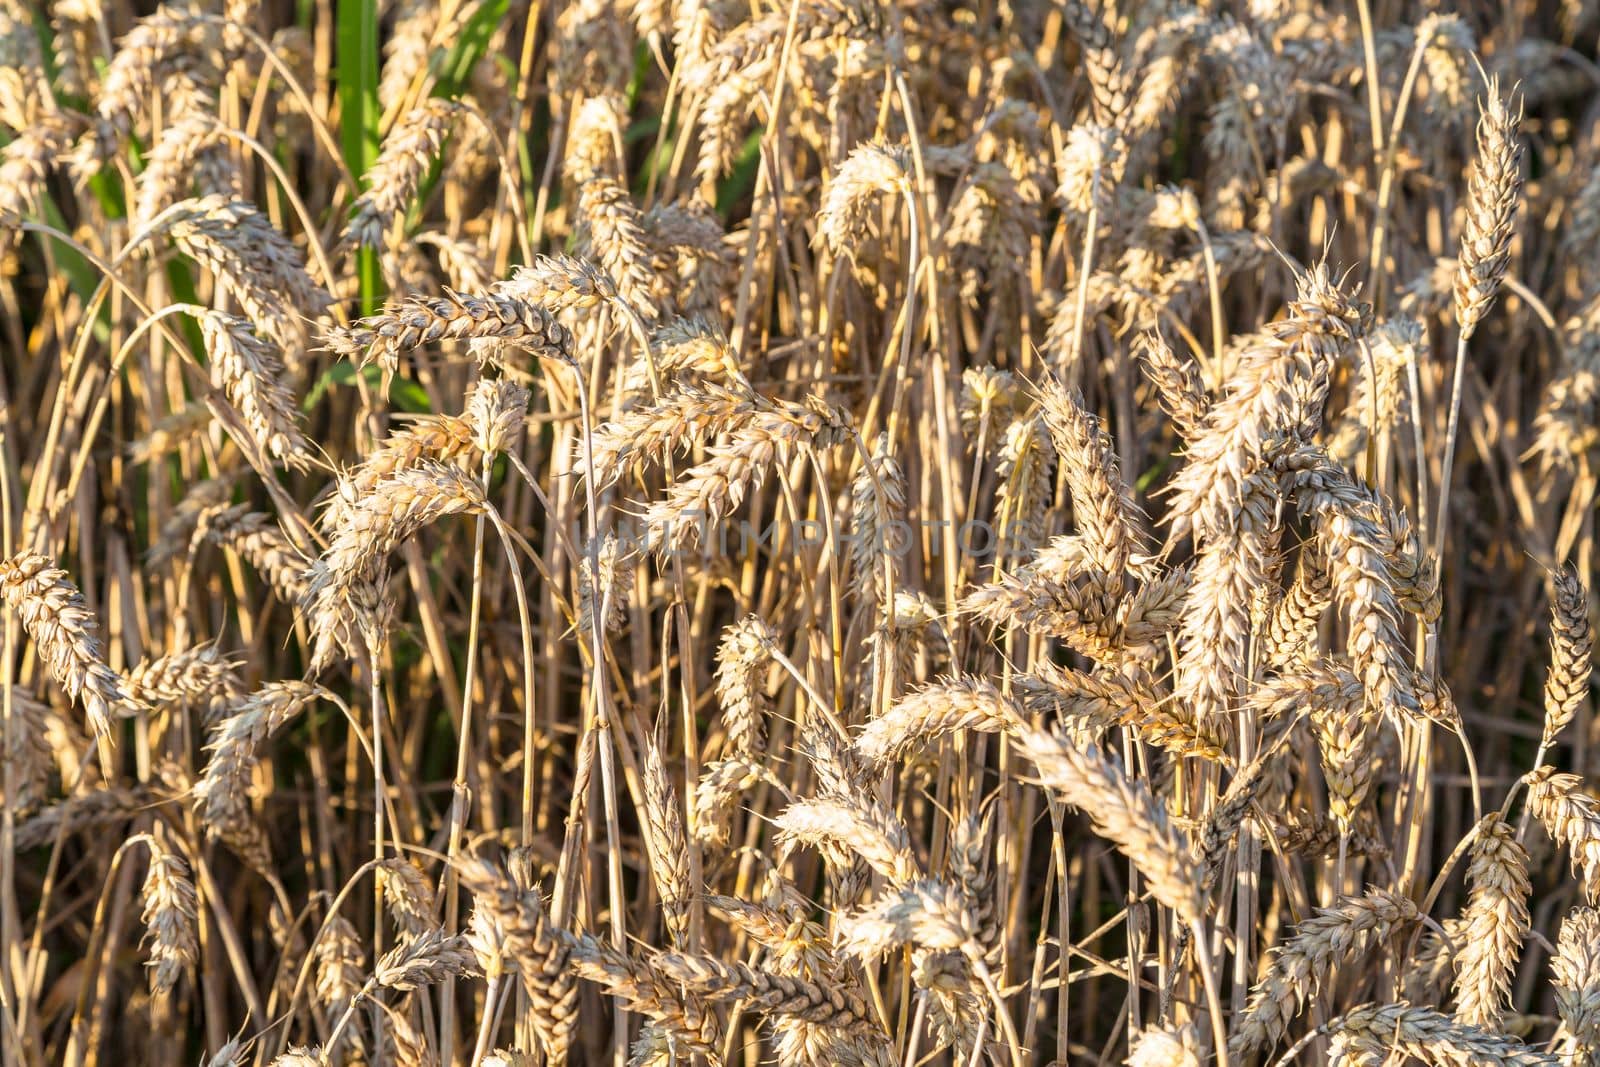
(156,46)
(408,152)
(680,1020)
(191,676)
(1109,77)
(877,503)
(251,374)
(192,146)
(699,500)
(1375,1034)
(870,171)
(542,952)
(54,615)
(1076,613)
(934,711)
(1571,654)
(668,845)
(559,283)
(612,235)
(403,1041)
(408,895)
(694,345)
(1102,503)
(716,797)
(497,411)
(406,52)
(260,542)
(1572,818)
(223,797)
(169,918)
(596,126)
(1177,383)
(723,120)
(1345,733)
(743,656)
(767,993)
(26,163)
(1349,519)
(397,508)
(340,970)
(1497,921)
(689,414)
(616,575)
(252,260)
(1296,968)
(1493,186)
(1092,702)
(1222,824)
(971,868)
(1413,573)
(430,437)
(1447,46)
(1165,1048)
(1085,179)
(989,401)
(1025,466)
(1278,388)
(418,321)
(1123,811)
(1575,974)
(822,822)
(800,947)
(926,914)
(424,959)
(756,42)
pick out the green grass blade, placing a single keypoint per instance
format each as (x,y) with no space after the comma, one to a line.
(357,36)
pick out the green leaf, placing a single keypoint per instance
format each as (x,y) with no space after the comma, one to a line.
(357,38)
(404,394)
(738,185)
(469,47)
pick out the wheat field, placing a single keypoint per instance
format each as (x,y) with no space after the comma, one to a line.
(832,533)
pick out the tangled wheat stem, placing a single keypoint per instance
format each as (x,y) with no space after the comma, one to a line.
(1377,268)
(600,715)
(45,476)
(101,946)
(40,487)
(313,240)
(459,794)
(10,920)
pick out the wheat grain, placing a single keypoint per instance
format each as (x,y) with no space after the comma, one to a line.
(1296,969)
(1496,922)
(418,321)
(1576,977)
(1122,811)
(1571,655)
(1493,187)
(169,918)
(54,614)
